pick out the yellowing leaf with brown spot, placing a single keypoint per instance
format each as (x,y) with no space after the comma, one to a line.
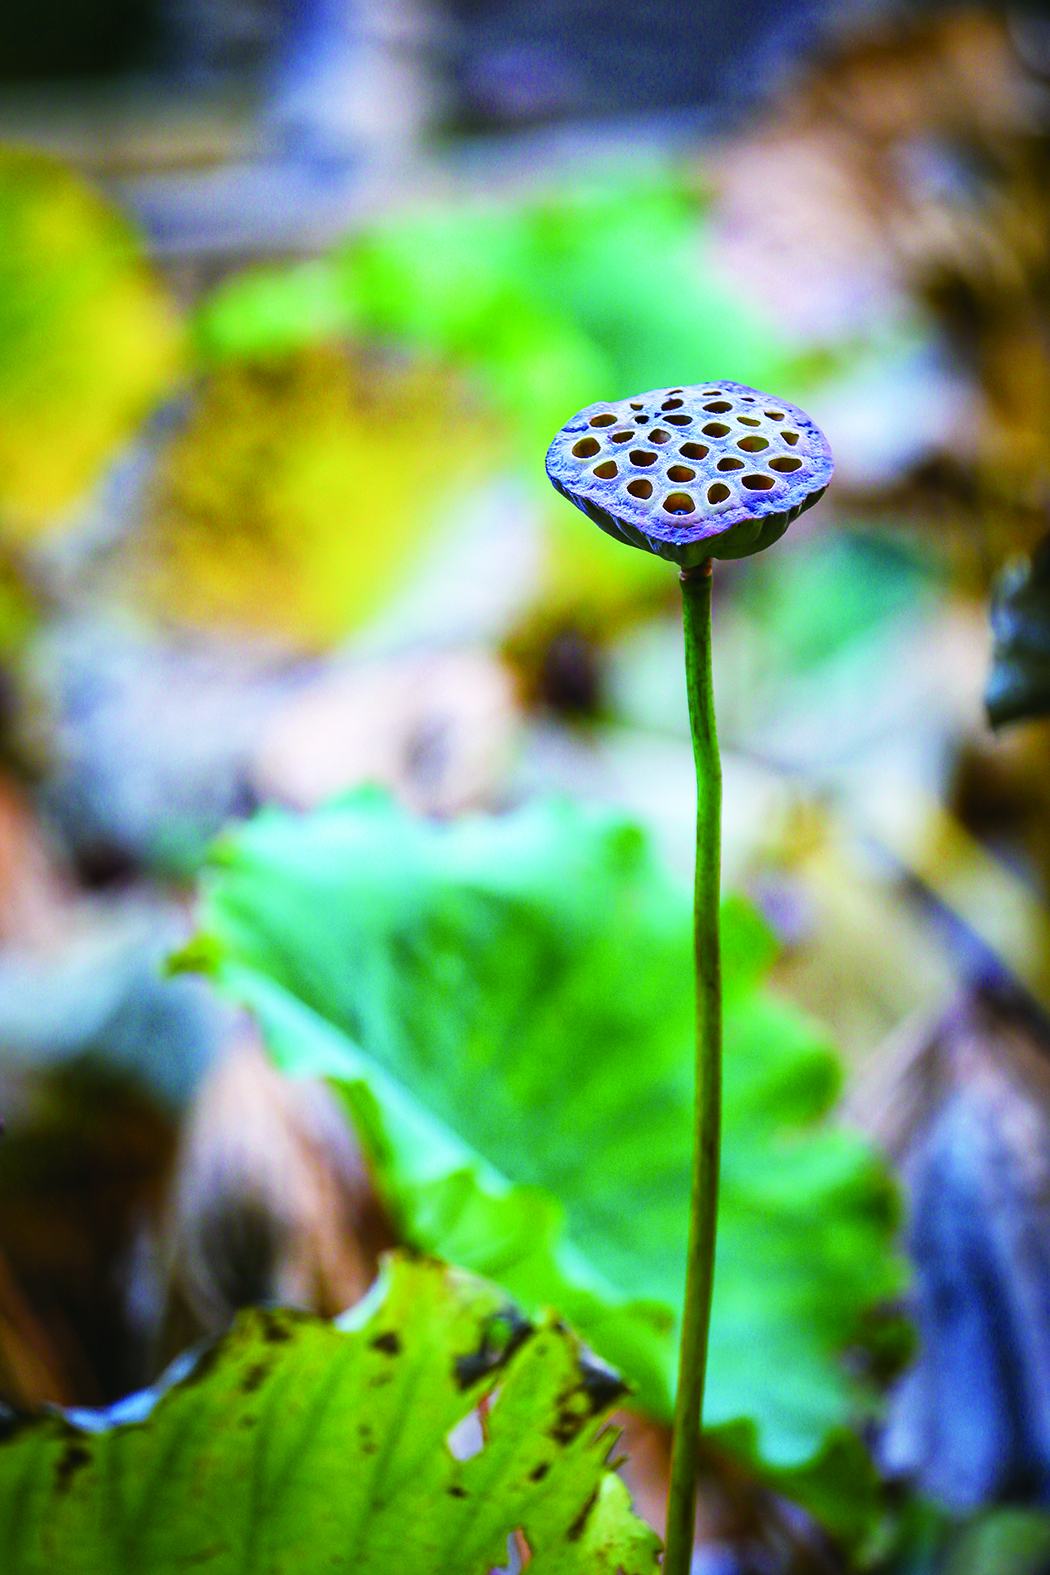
(302,492)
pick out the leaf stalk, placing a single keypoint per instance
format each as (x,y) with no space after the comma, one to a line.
(703,1207)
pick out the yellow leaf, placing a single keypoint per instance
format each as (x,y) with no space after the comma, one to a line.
(302,491)
(88,339)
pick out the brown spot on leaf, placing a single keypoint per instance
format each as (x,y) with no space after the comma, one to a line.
(575,1531)
(455,1491)
(602,1384)
(503,1334)
(73,1457)
(567,1425)
(389,1343)
(538,1473)
(202,1366)
(598,1389)
(254,1378)
(275,1326)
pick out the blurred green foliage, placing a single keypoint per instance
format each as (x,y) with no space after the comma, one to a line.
(1005,1541)
(288,1436)
(88,340)
(555,302)
(549,305)
(813,603)
(506,1005)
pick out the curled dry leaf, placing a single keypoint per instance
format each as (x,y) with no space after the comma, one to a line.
(270,1201)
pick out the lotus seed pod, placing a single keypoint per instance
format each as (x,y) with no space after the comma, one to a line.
(713,471)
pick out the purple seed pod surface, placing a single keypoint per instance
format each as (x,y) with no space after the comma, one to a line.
(717,470)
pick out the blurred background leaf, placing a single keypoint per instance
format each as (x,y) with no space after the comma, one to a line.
(88,341)
(409,241)
(1014,1540)
(544,304)
(1019,682)
(302,491)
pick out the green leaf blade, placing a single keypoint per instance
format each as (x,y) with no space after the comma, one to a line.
(296,1445)
(515,995)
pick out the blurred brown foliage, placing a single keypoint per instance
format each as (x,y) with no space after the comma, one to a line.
(916,156)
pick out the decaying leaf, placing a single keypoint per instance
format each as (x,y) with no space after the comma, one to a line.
(269,1200)
(302,490)
(964,1104)
(297,1444)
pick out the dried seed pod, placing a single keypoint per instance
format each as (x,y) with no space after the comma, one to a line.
(717,470)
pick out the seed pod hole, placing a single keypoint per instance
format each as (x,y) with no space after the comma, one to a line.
(749,421)
(785,463)
(716,429)
(586,448)
(718,406)
(758,483)
(694,450)
(640,488)
(718,492)
(680,421)
(730,463)
(604,420)
(641,420)
(679,503)
(753,445)
(606,470)
(790,437)
(624,437)
(675,390)
(671,404)
(637,406)
(658,435)
(680,473)
(775,415)
(641,456)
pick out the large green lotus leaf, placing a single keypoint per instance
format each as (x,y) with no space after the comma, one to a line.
(506,1005)
(296,1445)
(88,341)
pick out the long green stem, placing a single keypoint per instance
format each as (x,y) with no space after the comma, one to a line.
(696,1318)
